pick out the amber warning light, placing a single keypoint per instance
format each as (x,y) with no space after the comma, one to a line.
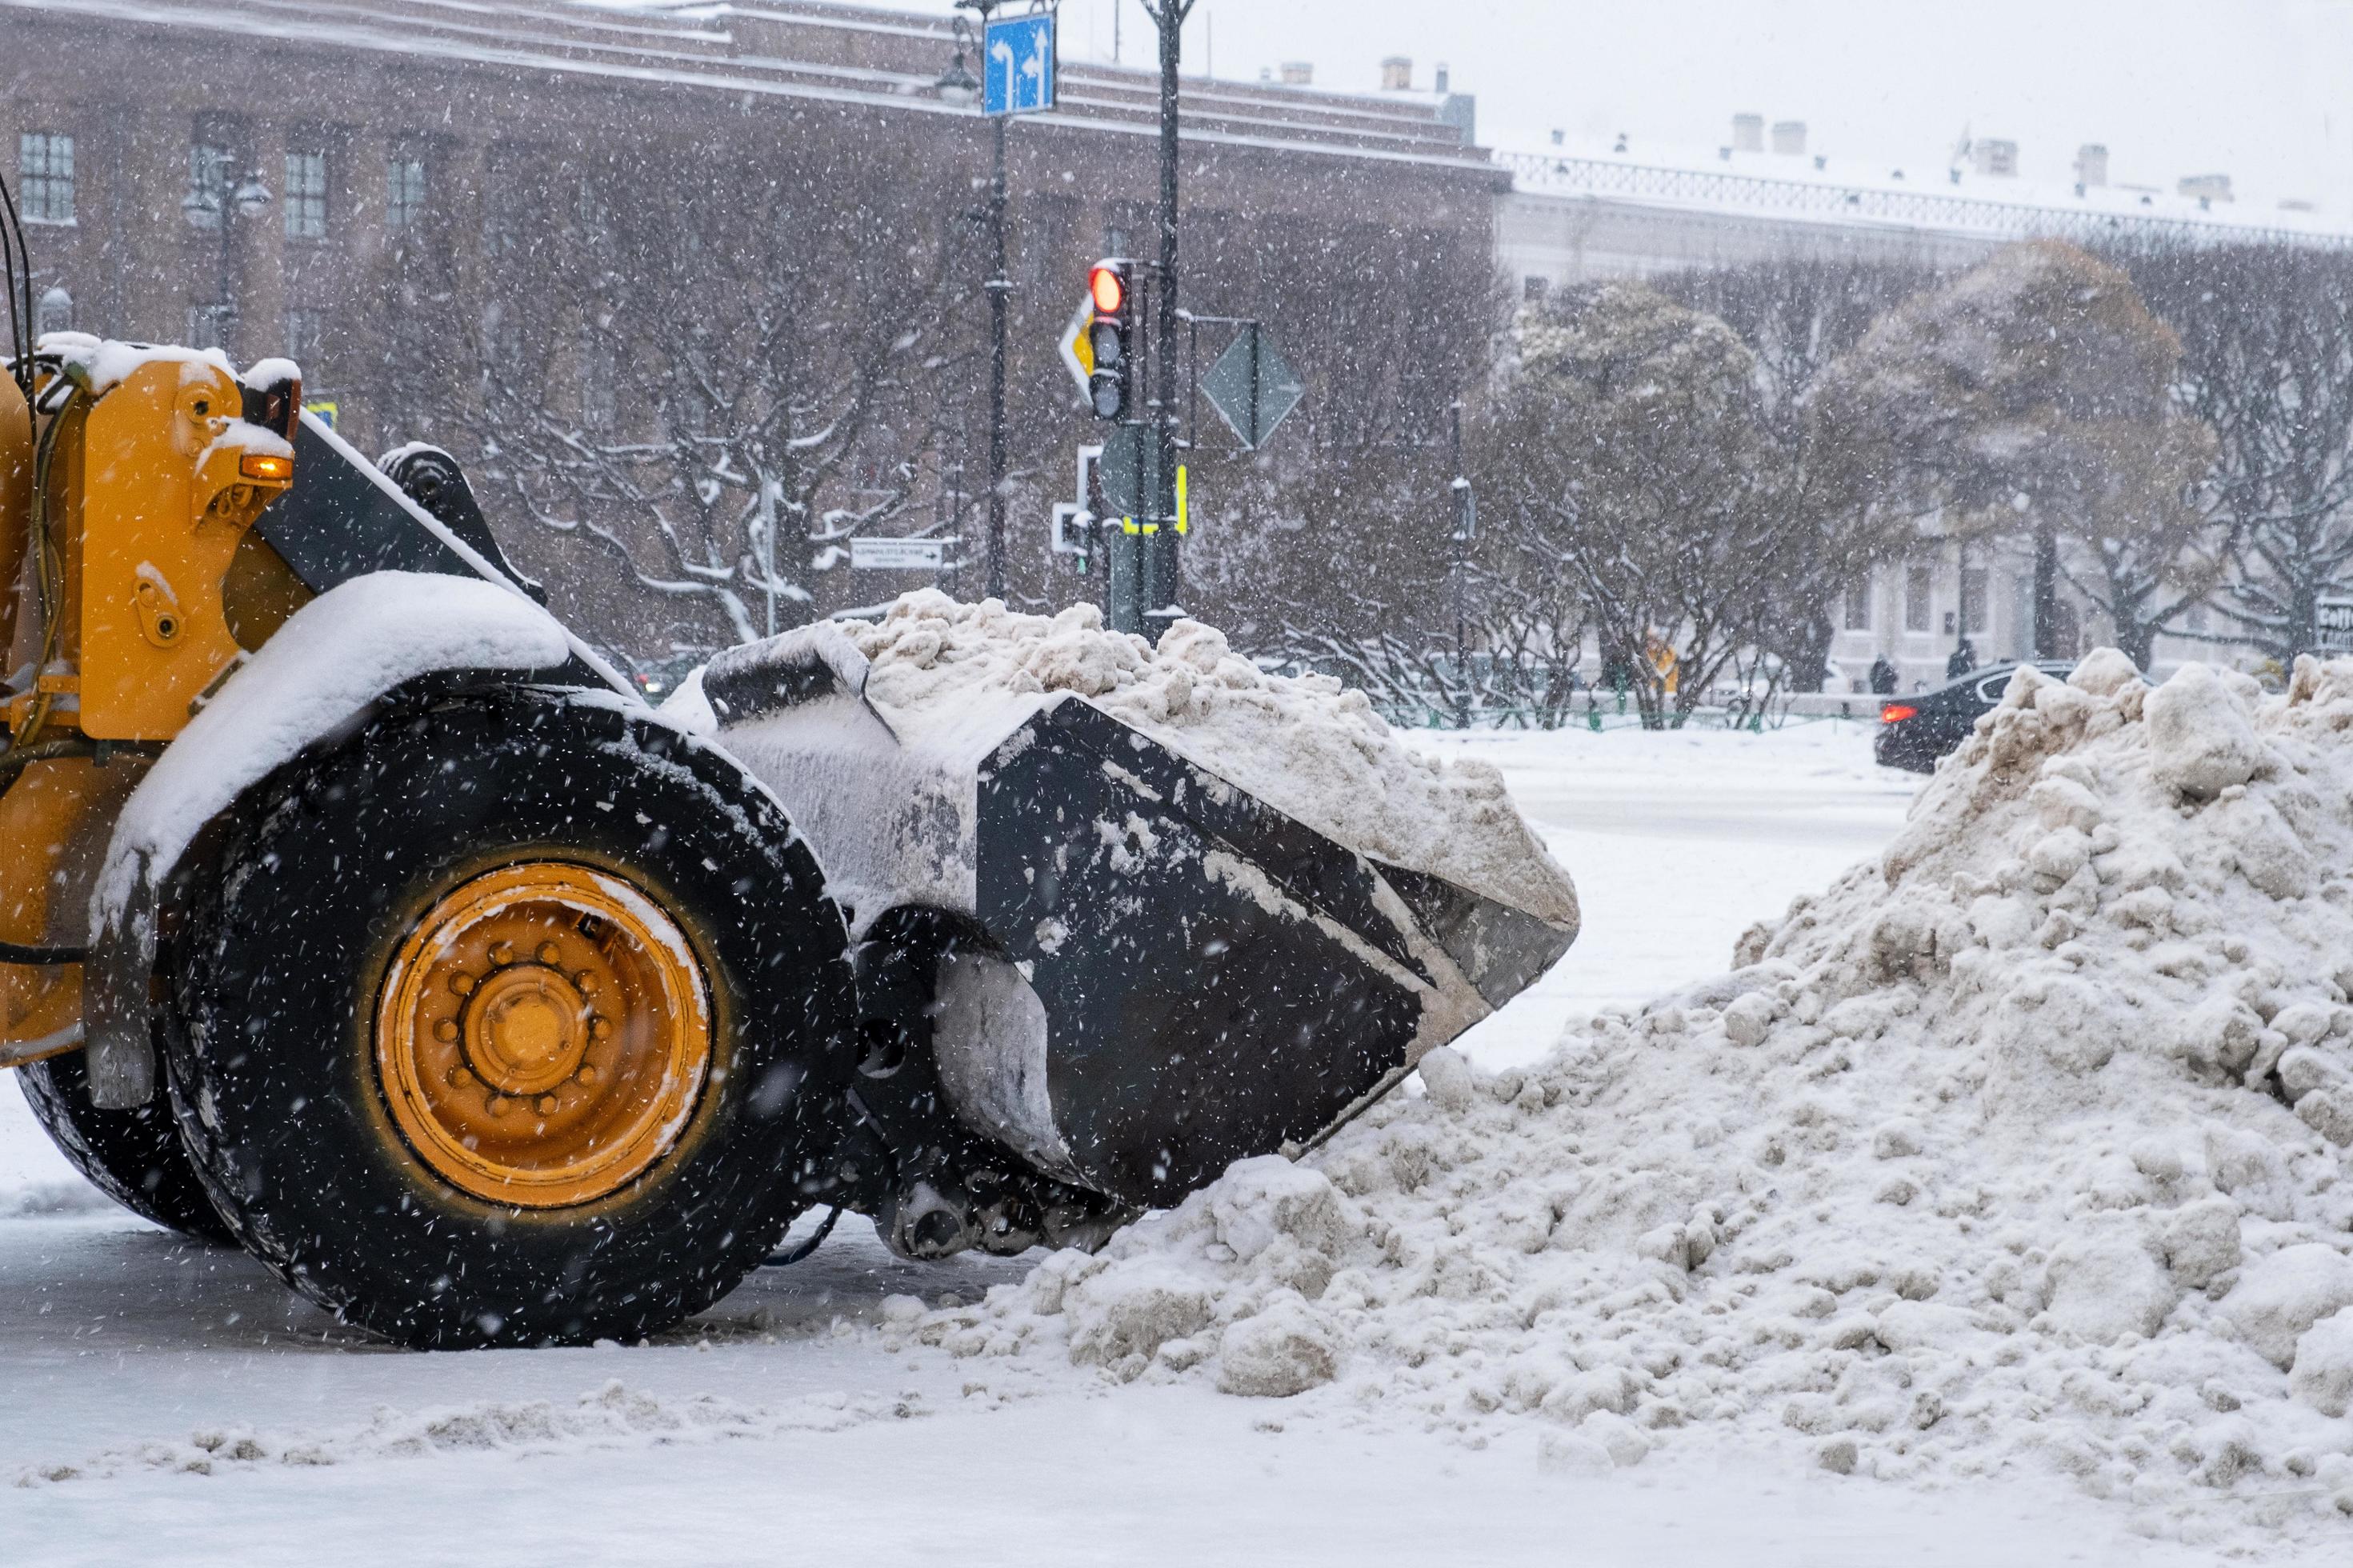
(1897,712)
(1108,290)
(265,466)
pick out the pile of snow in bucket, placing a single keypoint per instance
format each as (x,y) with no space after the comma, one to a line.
(2024,1147)
(1313,750)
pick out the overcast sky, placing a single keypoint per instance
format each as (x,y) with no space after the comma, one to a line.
(2261,89)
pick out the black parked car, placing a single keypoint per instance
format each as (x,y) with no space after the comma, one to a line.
(1913,731)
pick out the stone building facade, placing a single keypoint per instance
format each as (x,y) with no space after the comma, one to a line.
(307,177)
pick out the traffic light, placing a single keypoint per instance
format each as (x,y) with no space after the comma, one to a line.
(1110,337)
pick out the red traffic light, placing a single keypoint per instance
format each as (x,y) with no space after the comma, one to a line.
(1897,712)
(1108,289)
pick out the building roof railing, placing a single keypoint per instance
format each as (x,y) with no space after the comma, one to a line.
(1825,202)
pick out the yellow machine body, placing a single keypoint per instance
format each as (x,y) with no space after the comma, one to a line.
(138,588)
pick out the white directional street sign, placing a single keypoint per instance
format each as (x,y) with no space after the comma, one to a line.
(1078,351)
(1019,54)
(898,554)
(2336,625)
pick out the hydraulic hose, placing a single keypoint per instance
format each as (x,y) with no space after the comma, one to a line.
(815,1240)
(16,953)
(46,556)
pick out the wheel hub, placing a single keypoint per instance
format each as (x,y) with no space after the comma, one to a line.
(525,1029)
(543,1035)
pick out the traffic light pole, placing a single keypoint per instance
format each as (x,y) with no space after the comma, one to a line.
(1162,565)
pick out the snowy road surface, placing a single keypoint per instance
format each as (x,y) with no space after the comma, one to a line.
(779,1429)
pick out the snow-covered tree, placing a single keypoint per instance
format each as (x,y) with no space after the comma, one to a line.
(2267,365)
(710,368)
(1797,315)
(1629,453)
(2037,392)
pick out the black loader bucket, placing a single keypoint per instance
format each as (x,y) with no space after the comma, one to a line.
(1177,975)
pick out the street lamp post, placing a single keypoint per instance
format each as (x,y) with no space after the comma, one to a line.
(1466,525)
(212,195)
(1163,562)
(958,85)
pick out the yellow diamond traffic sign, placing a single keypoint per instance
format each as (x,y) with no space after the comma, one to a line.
(1079,350)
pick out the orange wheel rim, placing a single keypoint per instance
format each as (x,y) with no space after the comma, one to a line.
(543,1035)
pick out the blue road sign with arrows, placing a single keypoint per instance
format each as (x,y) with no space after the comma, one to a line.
(1018,54)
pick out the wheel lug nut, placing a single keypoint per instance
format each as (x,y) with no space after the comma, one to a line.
(499,1104)
(461,1077)
(585,983)
(446,1030)
(547,1105)
(549,953)
(600,1027)
(461,983)
(585,1076)
(502,954)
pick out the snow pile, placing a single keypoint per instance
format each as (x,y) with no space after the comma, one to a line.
(1311,749)
(613,1416)
(2026,1146)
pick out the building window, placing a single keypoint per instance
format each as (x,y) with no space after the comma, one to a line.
(211,326)
(403,194)
(54,313)
(44,163)
(1918,586)
(1534,288)
(1858,605)
(305,333)
(306,195)
(1973,601)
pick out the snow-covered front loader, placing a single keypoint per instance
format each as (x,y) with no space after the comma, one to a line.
(354,910)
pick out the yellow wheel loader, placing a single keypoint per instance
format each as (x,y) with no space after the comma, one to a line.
(354,910)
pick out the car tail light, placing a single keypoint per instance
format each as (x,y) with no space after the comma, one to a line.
(1897,712)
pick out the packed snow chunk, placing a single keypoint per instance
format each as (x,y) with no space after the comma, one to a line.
(1313,750)
(1573,1454)
(2103,1285)
(2279,1297)
(1124,1315)
(2103,672)
(2322,1374)
(2202,1241)
(1284,1351)
(2199,741)
(1268,1201)
(1448,1079)
(1747,1020)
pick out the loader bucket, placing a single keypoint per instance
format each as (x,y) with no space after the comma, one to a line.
(1178,976)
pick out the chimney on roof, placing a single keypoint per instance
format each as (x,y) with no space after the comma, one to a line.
(1748,133)
(1789,138)
(1396,74)
(2207,187)
(2091,164)
(1995,158)
(1299,73)
(1438,82)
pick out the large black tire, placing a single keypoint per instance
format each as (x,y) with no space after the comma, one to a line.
(134,1156)
(292,926)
